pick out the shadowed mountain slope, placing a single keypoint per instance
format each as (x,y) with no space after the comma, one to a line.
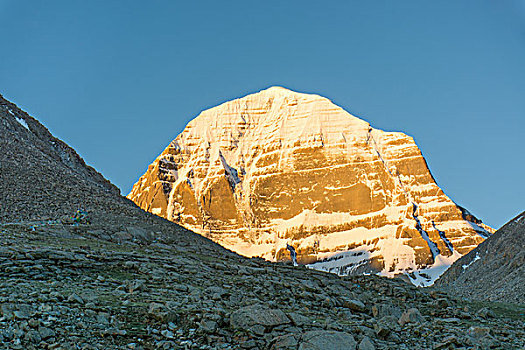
(495,270)
(42,178)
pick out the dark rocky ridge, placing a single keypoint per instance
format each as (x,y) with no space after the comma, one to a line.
(130,280)
(38,169)
(42,178)
(495,270)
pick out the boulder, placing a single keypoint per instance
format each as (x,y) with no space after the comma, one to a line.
(324,340)
(257,318)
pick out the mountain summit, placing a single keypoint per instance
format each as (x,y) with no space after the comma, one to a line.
(279,167)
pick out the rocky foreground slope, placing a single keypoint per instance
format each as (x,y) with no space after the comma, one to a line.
(279,167)
(121,278)
(61,288)
(495,270)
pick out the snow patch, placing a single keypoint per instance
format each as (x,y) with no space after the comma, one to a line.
(426,277)
(21,121)
(476,258)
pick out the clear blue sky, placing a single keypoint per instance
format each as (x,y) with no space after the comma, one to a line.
(118,80)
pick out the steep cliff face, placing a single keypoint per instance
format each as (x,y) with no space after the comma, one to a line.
(281,167)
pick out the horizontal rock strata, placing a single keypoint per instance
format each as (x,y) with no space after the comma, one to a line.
(280,167)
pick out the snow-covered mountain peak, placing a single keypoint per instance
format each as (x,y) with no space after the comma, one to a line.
(276,115)
(279,167)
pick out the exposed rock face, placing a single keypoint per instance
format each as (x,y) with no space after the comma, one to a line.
(281,167)
(495,270)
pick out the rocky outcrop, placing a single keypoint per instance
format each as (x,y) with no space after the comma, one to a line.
(495,270)
(280,167)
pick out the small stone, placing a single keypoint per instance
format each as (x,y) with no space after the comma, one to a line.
(366,344)
(33,337)
(74,298)
(46,333)
(33,322)
(249,344)
(285,342)
(208,326)
(410,316)
(354,305)
(385,325)
(167,334)
(485,313)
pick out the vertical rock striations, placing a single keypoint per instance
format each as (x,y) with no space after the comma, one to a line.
(279,167)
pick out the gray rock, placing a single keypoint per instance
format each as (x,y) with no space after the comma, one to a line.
(366,344)
(248,317)
(298,319)
(285,342)
(381,310)
(73,298)
(46,333)
(485,313)
(323,340)
(385,325)
(161,313)
(140,235)
(33,337)
(208,326)
(354,305)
